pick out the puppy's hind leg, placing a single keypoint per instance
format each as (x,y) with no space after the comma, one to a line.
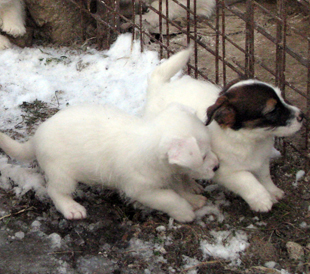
(168,201)
(60,188)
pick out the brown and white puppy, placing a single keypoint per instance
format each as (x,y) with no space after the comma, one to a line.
(243,120)
(12,20)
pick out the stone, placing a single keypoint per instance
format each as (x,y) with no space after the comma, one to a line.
(55,240)
(20,235)
(295,250)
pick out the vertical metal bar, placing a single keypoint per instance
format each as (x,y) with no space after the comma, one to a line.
(249,40)
(307,121)
(108,31)
(113,15)
(133,8)
(101,29)
(188,29)
(217,37)
(161,27)
(83,35)
(280,45)
(223,6)
(283,52)
(167,28)
(280,54)
(140,24)
(117,18)
(195,40)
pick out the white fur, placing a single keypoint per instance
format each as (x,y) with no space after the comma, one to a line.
(12,20)
(185,90)
(244,154)
(144,158)
(204,8)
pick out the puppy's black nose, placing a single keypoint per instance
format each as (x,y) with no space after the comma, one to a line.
(216,168)
(300,117)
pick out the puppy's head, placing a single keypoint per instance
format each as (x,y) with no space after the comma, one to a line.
(191,157)
(252,104)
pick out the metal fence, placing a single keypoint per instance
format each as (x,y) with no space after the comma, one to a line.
(248,39)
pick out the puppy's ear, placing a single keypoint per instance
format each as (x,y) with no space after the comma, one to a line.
(222,112)
(184,152)
(270,106)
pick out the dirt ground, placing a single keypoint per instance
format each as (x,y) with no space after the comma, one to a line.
(117,238)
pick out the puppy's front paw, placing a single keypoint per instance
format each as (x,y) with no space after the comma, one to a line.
(185,218)
(276,194)
(74,211)
(183,215)
(14,29)
(260,202)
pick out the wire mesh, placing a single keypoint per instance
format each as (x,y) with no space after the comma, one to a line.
(247,39)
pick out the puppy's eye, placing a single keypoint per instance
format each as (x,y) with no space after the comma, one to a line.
(204,157)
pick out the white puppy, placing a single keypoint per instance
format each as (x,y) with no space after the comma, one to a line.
(12,20)
(96,144)
(203,8)
(244,118)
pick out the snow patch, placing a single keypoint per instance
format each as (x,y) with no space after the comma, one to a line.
(62,76)
(227,245)
(20,179)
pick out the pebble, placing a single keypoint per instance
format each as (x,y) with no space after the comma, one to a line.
(162,250)
(35,225)
(63,224)
(20,235)
(270,264)
(95,227)
(295,250)
(303,225)
(55,240)
(106,247)
(160,228)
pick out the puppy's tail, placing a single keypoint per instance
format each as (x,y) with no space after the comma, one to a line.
(20,151)
(166,70)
